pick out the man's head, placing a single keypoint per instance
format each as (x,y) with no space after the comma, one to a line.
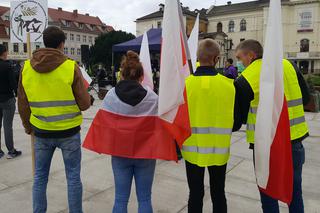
(54,37)
(229,62)
(208,52)
(3,52)
(249,50)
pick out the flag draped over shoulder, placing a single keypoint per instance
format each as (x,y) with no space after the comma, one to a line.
(146,62)
(273,154)
(128,131)
(173,109)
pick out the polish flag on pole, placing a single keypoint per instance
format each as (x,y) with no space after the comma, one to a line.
(173,108)
(86,78)
(193,43)
(273,154)
(146,62)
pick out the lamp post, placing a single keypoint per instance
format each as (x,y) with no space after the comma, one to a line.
(227,46)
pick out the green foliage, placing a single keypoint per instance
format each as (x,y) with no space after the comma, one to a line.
(101,52)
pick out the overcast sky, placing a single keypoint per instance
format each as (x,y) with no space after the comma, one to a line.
(121,14)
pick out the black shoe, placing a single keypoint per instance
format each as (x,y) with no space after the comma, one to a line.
(13,154)
(1,154)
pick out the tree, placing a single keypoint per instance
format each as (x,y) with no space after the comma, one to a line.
(101,52)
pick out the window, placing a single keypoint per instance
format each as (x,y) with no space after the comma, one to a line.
(68,23)
(159,24)
(81,25)
(66,50)
(78,37)
(84,39)
(78,51)
(243,25)
(6,45)
(25,48)
(16,47)
(231,26)
(304,45)
(219,27)
(66,35)
(90,39)
(71,37)
(72,51)
(92,26)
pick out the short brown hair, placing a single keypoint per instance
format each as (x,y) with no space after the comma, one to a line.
(207,49)
(251,45)
(53,37)
(131,67)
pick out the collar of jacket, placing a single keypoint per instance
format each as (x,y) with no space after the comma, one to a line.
(205,71)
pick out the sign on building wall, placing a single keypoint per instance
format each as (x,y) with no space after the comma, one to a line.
(28,16)
(305,20)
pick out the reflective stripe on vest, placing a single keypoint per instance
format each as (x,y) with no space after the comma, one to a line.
(210,104)
(51,99)
(298,126)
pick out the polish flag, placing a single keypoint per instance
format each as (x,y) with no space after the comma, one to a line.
(173,108)
(122,130)
(86,78)
(146,62)
(273,154)
(193,43)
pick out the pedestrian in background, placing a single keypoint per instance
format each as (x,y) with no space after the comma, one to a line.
(230,71)
(51,97)
(8,91)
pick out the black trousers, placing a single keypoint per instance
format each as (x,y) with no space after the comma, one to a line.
(7,110)
(195,176)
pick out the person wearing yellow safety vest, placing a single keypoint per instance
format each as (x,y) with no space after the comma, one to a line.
(211,102)
(51,96)
(250,52)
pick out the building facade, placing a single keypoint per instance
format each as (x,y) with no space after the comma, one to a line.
(248,20)
(80,30)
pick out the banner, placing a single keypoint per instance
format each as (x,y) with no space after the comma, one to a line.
(29,16)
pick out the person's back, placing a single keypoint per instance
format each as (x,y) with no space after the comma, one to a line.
(51,97)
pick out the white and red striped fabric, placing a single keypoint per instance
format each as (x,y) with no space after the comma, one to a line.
(273,154)
(173,108)
(86,78)
(119,129)
(146,62)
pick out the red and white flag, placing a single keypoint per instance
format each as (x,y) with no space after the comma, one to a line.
(193,43)
(146,62)
(173,108)
(119,129)
(86,78)
(273,154)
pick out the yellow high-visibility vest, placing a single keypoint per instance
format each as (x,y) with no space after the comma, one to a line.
(298,125)
(211,106)
(53,105)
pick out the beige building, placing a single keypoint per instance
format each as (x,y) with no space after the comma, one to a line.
(80,29)
(232,23)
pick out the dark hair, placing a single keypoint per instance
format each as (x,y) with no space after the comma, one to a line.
(131,67)
(251,45)
(53,37)
(3,49)
(230,60)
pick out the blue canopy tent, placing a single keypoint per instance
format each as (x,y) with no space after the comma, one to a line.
(154,38)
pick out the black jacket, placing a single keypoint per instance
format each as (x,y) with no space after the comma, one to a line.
(245,95)
(8,84)
(130,92)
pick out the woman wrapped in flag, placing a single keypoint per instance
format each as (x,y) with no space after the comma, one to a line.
(128,128)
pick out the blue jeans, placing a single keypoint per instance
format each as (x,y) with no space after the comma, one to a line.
(270,205)
(71,152)
(124,169)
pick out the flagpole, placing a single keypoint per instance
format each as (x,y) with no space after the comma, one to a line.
(32,135)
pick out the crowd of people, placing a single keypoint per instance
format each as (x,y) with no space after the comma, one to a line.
(51,96)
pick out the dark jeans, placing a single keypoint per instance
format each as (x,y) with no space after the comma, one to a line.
(270,205)
(7,110)
(71,152)
(124,170)
(195,175)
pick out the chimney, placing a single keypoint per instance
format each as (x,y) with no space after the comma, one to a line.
(87,14)
(75,13)
(161,7)
(60,9)
(229,2)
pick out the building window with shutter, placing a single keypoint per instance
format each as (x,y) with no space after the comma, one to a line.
(243,25)
(231,26)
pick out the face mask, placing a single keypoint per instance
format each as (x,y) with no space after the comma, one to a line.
(240,66)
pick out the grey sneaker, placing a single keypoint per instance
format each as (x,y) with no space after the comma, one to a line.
(13,154)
